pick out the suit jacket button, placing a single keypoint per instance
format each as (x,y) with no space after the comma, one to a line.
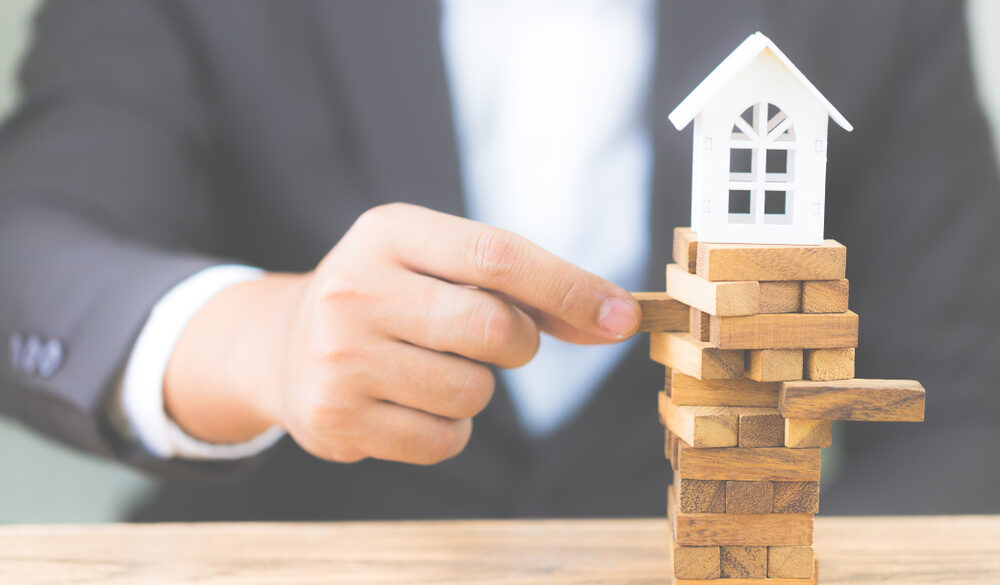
(50,358)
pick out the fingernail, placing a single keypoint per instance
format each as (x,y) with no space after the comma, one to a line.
(617,317)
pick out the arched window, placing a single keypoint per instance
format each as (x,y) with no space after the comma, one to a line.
(761,151)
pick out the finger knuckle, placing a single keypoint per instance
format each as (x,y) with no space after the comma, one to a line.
(475,391)
(445,439)
(494,324)
(494,254)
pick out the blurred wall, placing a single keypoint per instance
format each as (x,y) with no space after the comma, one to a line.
(43,482)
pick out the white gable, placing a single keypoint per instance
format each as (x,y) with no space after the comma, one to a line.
(739,59)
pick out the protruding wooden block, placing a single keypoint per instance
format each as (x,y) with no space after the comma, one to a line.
(796,497)
(744,562)
(749,497)
(786,331)
(706,496)
(805,433)
(761,427)
(698,324)
(702,360)
(783,296)
(715,298)
(738,529)
(774,365)
(700,426)
(697,562)
(829,364)
(673,447)
(790,562)
(660,312)
(866,400)
(827,261)
(732,392)
(748,464)
(686,248)
(825,296)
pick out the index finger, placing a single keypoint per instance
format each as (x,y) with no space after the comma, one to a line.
(468,252)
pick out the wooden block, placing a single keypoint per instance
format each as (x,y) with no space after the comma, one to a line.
(685,390)
(811,581)
(785,331)
(761,427)
(825,296)
(698,324)
(697,562)
(686,248)
(660,312)
(774,365)
(782,296)
(700,426)
(744,562)
(795,497)
(738,529)
(790,562)
(805,433)
(748,464)
(749,497)
(858,399)
(700,495)
(680,351)
(714,298)
(829,364)
(826,261)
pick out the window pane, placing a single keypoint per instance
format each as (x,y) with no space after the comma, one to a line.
(740,160)
(739,201)
(777,161)
(774,202)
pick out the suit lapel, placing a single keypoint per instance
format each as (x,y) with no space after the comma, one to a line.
(389,67)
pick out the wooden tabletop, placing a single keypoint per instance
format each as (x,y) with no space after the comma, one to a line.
(859,551)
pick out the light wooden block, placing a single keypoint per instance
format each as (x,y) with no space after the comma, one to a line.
(768,581)
(673,447)
(786,331)
(744,562)
(748,464)
(825,296)
(827,261)
(700,495)
(739,529)
(714,298)
(795,497)
(749,497)
(858,399)
(686,390)
(805,433)
(829,364)
(783,296)
(761,427)
(790,562)
(697,562)
(700,426)
(660,312)
(686,248)
(774,365)
(700,359)
(698,324)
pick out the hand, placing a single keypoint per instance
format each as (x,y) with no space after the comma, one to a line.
(381,350)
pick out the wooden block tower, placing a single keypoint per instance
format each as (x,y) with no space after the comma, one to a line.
(754,329)
(758,346)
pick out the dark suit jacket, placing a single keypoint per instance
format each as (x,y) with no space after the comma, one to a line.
(158,138)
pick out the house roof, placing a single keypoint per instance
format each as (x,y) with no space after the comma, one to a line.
(730,67)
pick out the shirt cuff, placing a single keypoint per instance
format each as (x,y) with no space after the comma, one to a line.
(141,392)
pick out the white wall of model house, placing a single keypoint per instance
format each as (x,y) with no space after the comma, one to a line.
(759,160)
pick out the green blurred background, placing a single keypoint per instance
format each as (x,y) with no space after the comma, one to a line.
(44,482)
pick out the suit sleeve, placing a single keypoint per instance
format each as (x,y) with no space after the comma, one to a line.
(106,202)
(915,195)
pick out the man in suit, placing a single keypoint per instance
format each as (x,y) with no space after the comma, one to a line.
(204,275)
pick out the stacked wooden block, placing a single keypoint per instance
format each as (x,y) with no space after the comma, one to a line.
(758,345)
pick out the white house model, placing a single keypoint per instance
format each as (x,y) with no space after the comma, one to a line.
(759,173)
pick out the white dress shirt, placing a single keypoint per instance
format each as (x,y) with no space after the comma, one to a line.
(549,100)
